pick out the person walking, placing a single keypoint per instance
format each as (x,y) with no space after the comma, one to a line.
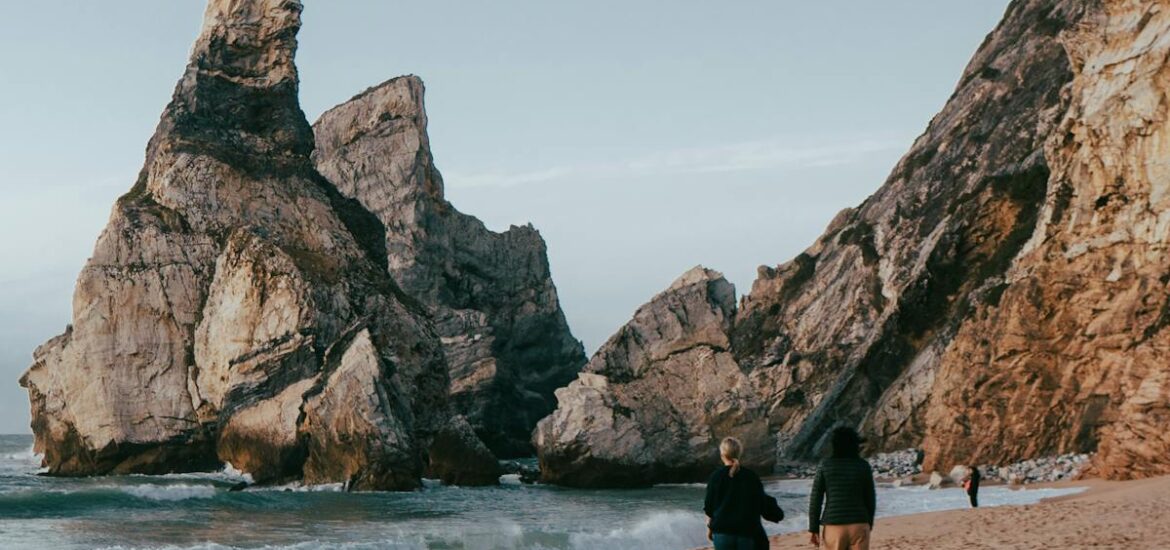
(971,484)
(734,502)
(843,500)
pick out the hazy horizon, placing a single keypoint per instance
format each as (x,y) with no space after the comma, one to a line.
(640,142)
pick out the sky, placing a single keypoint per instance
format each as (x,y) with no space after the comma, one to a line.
(640,137)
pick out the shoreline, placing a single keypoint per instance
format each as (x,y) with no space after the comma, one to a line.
(1113,514)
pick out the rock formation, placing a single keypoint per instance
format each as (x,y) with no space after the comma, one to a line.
(1004,295)
(458,457)
(236,307)
(854,328)
(1074,354)
(656,399)
(495,307)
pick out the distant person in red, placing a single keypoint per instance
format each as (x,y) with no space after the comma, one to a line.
(971,484)
(843,500)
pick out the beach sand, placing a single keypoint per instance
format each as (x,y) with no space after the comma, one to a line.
(1110,514)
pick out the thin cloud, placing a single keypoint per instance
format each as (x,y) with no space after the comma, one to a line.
(739,157)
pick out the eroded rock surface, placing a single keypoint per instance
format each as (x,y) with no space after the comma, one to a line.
(658,397)
(1004,295)
(1075,355)
(236,307)
(495,307)
(853,330)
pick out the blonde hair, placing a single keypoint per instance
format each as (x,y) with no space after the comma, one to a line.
(730,449)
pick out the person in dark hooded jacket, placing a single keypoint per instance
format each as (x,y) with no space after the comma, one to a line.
(843,500)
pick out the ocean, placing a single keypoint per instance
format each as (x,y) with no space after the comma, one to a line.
(196,511)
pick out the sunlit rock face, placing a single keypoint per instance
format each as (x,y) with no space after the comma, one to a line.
(1003,296)
(492,296)
(237,307)
(1075,354)
(854,329)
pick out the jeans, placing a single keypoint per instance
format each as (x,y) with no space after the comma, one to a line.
(724,541)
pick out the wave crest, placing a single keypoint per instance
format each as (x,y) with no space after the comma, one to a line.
(174,492)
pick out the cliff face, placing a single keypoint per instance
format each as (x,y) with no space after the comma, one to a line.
(236,307)
(853,329)
(1075,355)
(1003,295)
(493,300)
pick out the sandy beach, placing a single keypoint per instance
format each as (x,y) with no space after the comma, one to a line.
(1110,514)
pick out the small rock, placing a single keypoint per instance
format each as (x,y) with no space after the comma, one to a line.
(936,480)
(958,473)
(458,457)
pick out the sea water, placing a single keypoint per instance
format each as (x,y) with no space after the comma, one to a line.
(196,511)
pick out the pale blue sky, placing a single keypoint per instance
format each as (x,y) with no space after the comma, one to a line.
(640,137)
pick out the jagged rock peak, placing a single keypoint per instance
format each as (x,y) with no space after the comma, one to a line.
(250,41)
(238,97)
(694,275)
(233,310)
(494,303)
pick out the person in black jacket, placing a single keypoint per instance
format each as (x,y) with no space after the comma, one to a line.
(734,502)
(843,499)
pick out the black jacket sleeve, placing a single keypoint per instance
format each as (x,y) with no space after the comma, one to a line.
(870,496)
(816,501)
(713,483)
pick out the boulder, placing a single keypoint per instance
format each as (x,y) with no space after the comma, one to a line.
(656,399)
(937,481)
(958,474)
(458,457)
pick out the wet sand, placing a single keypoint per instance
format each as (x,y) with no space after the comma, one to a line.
(1110,514)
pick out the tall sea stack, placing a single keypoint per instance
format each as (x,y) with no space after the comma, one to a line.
(237,307)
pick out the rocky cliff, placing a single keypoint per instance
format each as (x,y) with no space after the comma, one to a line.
(1003,295)
(237,307)
(854,328)
(495,307)
(1074,353)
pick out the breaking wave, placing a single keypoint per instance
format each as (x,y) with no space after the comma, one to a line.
(169,492)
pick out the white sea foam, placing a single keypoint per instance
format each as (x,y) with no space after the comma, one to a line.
(169,492)
(26,461)
(27,456)
(232,473)
(307,545)
(510,479)
(675,529)
(227,475)
(299,487)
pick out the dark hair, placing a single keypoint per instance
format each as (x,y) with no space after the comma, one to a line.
(846,442)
